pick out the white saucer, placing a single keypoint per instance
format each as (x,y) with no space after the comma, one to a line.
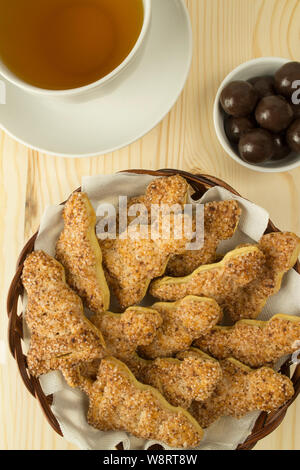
(133,104)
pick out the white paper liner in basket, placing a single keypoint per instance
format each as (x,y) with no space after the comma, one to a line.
(70,405)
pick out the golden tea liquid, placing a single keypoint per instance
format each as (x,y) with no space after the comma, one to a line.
(61,44)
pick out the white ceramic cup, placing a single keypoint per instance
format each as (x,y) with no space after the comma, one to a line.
(11,77)
(251,69)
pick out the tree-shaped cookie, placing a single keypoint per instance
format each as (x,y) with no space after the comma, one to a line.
(242,390)
(255,343)
(61,334)
(79,252)
(117,401)
(237,269)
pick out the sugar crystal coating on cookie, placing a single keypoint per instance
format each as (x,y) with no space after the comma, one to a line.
(255,343)
(78,251)
(190,376)
(220,223)
(119,402)
(142,255)
(124,333)
(281,251)
(242,390)
(238,268)
(183,322)
(61,334)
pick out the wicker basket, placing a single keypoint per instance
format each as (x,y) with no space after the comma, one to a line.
(265,424)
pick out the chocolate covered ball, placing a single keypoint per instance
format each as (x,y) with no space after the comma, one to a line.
(281,148)
(285,77)
(256,146)
(236,127)
(293,136)
(239,99)
(274,113)
(296,110)
(265,86)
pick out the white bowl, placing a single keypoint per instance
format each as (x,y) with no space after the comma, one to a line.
(251,69)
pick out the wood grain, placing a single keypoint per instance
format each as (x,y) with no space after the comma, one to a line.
(226,33)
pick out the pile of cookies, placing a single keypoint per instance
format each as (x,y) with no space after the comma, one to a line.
(167,371)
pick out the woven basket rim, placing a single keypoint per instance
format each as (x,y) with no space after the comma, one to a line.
(266,422)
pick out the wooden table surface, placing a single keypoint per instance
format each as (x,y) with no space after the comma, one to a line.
(226,33)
